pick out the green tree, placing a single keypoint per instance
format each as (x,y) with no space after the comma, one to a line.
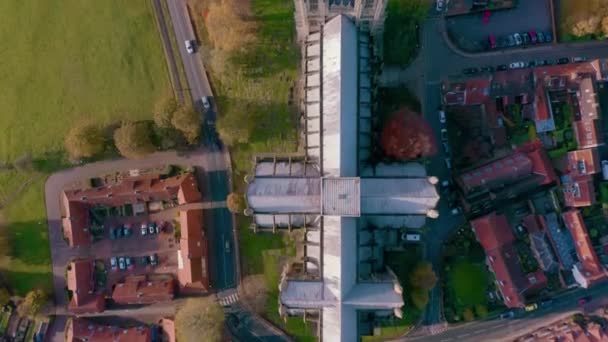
(235,203)
(420,297)
(200,319)
(5,296)
(85,139)
(188,121)
(468,315)
(423,276)
(133,139)
(237,124)
(33,303)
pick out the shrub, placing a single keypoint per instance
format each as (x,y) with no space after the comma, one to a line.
(133,140)
(85,139)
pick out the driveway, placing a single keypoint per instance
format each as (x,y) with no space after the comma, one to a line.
(470,33)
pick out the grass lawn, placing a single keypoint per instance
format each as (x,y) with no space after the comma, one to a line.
(65,61)
(74,59)
(469,282)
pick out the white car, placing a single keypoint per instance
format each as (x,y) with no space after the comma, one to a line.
(448,163)
(446,148)
(439,5)
(442,116)
(206,103)
(410,237)
(518,39)
(517,65)
(189,46)
(444,134)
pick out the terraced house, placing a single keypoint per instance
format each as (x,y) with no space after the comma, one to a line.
(351,211)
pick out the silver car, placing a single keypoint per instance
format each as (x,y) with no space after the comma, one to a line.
(189,46)
(518,39)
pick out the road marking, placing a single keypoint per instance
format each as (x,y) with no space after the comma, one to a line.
(478,331)
(463,335)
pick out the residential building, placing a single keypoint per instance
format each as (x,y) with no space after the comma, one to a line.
(588,270)
(336,198)
(578,191)
(143,290)
(192,256)
(81,284)
(132,190)
(584,162)
(568,330)
(495,236)
(588,133)
(82,330)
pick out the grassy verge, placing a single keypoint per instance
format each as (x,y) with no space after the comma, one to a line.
(176,53)
(68,60)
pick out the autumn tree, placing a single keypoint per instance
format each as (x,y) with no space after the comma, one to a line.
(200,319)
(133,139)
(33,303)
(5,296)
(235,203)
(227,28)
(237,124)
(188,121)
(423,276)
(406,135)
(85,139)
(468,315)
(163,111)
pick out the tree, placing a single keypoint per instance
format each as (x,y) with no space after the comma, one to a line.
(236,125)
(468,315)
(85,139)
(163,113)
(33,303)
(406,135)
(423,276)
(133,139)
(481,310)
(188,121)
(5,296)
(235,203)
(420,297)
(227,29)
(200,319)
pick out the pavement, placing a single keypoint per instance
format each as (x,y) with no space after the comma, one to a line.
(438,59)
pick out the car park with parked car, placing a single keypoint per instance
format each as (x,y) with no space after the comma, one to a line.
(121,263)
(517,65)
(470,71)
(563,60)
(442,116)
(518,40)
(113,263)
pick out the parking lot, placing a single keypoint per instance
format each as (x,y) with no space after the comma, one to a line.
(470,32)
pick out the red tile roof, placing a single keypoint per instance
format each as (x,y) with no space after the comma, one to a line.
(142,290)
(579,191)
(528,159)
(494,234)
(168,326)
(193,254)
(590,267)
(81,330)
(589,107)
(588,133)
(473,91)
(81,281)
(584,162)
(131,190)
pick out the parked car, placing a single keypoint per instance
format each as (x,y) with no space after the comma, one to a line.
(121,263)
(153,259)
(548,37)
(144,229)
(549,62)
(487,69)
(563,60)
(511,41)
(541,37)
(533,37)
(205,101)
(448,163)
(119,232)
(540,62)
(129,263)
(189,46)
(445,184)
(444,134)
(518,39)
(151,228)
(113,263)
(517,65)
(446,147)
(112,234)
(410,237)
(439,5)
(509,314)
(492,42)
(156,228)
(502,67)
(441,116)
(143,261)
(526,38)
(456,211)
(584,300)
(578,59)
(531,64)
(470,71)
(531,307)
(127,231)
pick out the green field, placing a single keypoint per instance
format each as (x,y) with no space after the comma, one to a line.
(63,61)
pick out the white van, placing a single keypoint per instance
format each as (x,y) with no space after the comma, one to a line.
(410,237)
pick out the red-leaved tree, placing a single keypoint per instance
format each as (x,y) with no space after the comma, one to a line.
(406,135)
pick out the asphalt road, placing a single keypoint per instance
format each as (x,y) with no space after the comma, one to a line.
(222,263)
(437,60)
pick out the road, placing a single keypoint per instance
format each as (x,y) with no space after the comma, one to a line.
(219,222)
(439,59)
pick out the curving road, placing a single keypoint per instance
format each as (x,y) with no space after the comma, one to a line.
(439,59)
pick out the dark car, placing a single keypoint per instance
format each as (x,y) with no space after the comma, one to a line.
(143,261)
(153,260)
(129,263)
(548,62)
(127,231)
(487,69)
(526,38)
(548,37)
(541,37)
(532,64)
(112,234)
(119,232)
(511,40)
(563,60)
(470,71)
(533,37)
(502,67)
